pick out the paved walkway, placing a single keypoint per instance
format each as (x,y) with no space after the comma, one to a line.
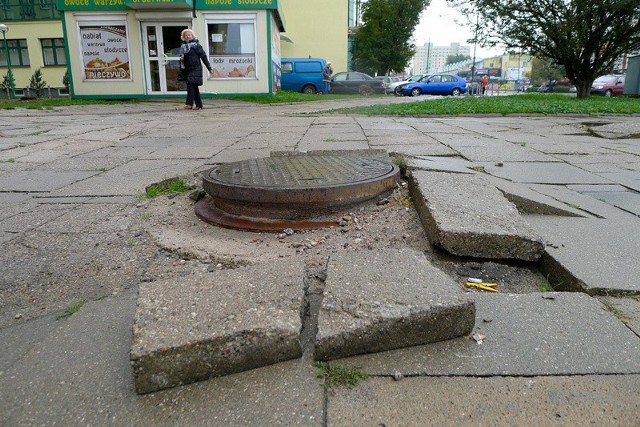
(70,230)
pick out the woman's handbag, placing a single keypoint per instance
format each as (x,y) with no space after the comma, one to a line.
(182,74)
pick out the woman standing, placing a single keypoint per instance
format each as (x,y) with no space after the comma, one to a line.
(191,53)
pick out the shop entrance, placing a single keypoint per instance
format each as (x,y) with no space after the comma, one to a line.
(162,54)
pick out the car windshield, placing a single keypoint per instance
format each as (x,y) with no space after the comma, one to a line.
(415,78)
(605,79)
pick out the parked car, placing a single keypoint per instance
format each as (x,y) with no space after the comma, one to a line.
(609,85)
(354,82)
(302,74)
(394,86)
(437,84)
(388,80)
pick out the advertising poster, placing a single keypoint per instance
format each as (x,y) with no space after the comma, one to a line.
(105,52)
(226,66)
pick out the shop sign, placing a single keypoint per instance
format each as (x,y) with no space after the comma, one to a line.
(237,4)
(91,5)
(105,52)
(233,66)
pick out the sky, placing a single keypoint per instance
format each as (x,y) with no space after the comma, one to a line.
(437,25)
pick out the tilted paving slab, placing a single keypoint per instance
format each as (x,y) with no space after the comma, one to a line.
(386,299)
(195,328)
(467,216)
(593,255)
(552,333)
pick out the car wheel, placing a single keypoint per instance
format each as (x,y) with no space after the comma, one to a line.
(396,91)
(416,91)
(456,91)
(365,90)
(608,93)
(309,90)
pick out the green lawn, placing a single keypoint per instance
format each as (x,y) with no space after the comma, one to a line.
(503,105)
(448,106)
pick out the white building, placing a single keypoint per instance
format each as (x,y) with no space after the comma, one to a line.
(431,59)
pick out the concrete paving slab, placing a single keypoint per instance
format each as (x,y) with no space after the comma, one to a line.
(419,149)
(441,164)
(576,200)
(539,401)
(630,179)
(626,200)
(590,254)
(499,151)
(617,129)
(521,336)
(626,309)
(467,216)
(218,324)
(543,173)
(126,180)
(387,299)
(40,180)
(529,201)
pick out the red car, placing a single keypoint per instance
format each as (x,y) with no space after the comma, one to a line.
(609,85)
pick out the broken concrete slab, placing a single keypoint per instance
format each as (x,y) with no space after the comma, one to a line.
(216,324)
(467,216)
(387,299)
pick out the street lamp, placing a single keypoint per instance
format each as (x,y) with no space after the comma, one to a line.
(4,29)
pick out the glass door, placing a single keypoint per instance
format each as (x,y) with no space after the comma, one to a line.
(161,42)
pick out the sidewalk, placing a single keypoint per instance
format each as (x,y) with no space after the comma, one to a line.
(72,228)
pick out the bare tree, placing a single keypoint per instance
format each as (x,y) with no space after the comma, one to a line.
(584,36)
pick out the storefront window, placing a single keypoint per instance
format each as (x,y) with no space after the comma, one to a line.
(18,52)
(232,46)
(53,51)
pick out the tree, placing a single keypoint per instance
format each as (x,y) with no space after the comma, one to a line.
(8,82)
(384,40)
(543,71)
(37,83)
(584,36)
(452,59)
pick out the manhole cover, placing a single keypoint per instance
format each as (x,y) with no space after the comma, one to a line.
(291,190)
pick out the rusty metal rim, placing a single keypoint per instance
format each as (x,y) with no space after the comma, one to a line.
(205,210)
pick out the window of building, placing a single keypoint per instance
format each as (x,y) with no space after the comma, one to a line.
(232,45)
(18,53)
(53,51)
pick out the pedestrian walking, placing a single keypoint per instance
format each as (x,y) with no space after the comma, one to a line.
(192,56)
(327,72)
(484,82)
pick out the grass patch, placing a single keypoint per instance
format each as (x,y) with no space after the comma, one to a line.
(8,161)
(503,105)
(49,103)
(546,286)
(284,97)
(72,309)
(335,375)
(168,186)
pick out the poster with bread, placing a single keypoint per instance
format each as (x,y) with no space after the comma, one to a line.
(105,51)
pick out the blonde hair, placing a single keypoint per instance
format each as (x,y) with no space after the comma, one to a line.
(187,30)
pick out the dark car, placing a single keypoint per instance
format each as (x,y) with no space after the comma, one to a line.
(353,82)
(437,84)
(609,85)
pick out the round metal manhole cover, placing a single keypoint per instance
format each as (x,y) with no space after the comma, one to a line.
(296,187)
